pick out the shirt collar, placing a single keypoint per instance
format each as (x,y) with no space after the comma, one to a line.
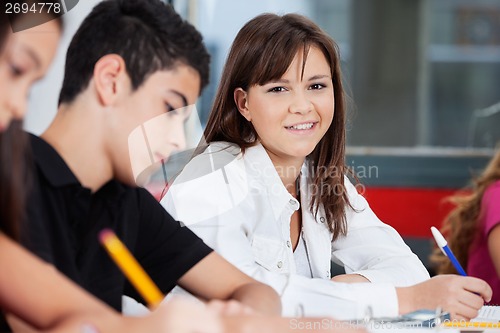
(58,174)
(261,165)
(51,164)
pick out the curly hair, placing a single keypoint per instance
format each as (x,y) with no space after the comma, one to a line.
(460,227)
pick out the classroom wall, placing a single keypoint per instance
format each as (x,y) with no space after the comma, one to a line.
(218,20)
(42,105)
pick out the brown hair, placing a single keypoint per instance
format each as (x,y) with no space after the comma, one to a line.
(29,19)
(14,157)
(13,178)
(3,29)
(461,225)
(262,52)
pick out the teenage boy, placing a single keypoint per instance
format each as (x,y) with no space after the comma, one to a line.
(130,61)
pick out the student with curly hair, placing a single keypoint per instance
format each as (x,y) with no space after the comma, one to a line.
(472,230)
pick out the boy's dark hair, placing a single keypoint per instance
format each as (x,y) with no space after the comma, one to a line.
(149,36)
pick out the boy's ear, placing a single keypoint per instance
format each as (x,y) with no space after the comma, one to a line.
(241,100)
(110,77)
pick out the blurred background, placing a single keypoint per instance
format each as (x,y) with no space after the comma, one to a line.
(423,75)
(418,70)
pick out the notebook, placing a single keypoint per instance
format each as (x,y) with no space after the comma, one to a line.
(488,314)
(417,319)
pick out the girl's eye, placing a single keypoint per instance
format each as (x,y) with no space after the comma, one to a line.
(170,109)
(277,89)
(16,71)
(317,86)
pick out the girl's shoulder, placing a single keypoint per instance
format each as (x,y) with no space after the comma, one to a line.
(493,190)
(215,156)
(222,148)
(219,154)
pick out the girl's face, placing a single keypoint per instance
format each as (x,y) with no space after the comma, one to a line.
(24,59)
(292,114)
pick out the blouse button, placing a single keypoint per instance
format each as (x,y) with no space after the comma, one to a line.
(292,202)
(322,219)
(289,244)
(280,264)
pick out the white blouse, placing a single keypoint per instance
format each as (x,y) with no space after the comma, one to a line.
(301,257)
(239,206)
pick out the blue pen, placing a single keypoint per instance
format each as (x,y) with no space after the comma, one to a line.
(443,244)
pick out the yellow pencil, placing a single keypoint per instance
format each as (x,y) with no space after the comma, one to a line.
(131,268)
(462,324)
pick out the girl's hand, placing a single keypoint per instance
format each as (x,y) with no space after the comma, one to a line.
(230,308)
(461,296)
(350,278)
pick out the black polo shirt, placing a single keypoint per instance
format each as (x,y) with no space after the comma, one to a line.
(64,219)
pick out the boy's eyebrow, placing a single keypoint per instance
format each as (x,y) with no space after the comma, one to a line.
(181,95)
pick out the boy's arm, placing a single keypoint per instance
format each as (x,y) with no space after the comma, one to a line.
(215,278)
(39,295)
(36,295)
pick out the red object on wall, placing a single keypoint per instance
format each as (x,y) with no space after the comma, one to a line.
(411,211)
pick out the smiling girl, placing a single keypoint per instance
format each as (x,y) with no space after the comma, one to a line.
(271,192)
